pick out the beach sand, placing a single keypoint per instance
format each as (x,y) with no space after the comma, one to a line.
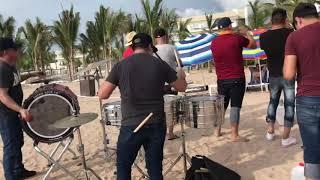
(258,159)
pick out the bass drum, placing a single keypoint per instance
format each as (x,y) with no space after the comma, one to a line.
(47,105)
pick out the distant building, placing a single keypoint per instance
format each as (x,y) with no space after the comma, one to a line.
(199,23)
(60,62)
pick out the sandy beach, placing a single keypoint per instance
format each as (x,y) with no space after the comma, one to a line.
(257,159)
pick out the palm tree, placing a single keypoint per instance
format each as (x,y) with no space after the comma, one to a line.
(65,33)
(183,31)
(7,26)
(38,40)
(260,14)
(289,5)
(92,41)
(211,23)
(169,20)
(152,14)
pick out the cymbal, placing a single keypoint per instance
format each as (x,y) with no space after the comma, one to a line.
(74,121)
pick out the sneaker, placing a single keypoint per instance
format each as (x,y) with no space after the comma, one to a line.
(270,136)
(27,174)
(289,142)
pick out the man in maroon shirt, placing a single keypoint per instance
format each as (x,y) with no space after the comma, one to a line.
(303,58)
(227,53)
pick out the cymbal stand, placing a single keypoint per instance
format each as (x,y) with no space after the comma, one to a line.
(184,155)
(86,170)
(108,152)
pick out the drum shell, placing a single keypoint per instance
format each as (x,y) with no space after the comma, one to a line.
(53,91)
(112,113)
(204,112)
(171,108)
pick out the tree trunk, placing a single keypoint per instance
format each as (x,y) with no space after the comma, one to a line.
(69,70)
(210,67)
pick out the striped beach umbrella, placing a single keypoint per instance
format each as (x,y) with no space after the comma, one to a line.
(195,49)
(258,53)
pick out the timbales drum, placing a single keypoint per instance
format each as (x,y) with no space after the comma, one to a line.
(204,111)
(47,105)
(112,113)
(171,109)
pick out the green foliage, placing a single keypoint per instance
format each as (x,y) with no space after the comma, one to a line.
(183,31)
(65,31)
(38,41)
(260,14)
(7,27)
(211,23)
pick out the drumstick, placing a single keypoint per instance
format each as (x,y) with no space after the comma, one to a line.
(143,122)
(177,58)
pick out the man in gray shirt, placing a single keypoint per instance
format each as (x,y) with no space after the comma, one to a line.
(166,52)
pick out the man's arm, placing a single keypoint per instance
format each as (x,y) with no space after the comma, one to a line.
(106,90)
(290,67)
(8,101)
(252,43)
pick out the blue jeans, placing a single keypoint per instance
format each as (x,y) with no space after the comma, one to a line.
(276,86)
(12,137)
(308,113)
(152,138)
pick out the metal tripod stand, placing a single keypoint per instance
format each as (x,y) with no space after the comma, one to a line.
(184,155)
(86,170)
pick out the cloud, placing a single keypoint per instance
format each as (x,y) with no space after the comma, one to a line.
(190,12)
(223,5)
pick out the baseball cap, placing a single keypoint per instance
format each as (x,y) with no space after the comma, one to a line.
(304,10)
(129,38)
(8,43)
(224,22)
(160,32)
(143,39)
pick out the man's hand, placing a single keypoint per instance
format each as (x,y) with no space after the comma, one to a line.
(25,115)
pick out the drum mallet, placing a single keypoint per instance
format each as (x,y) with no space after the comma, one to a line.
(142,123)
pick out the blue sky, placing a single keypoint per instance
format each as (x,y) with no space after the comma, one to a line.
(48,10)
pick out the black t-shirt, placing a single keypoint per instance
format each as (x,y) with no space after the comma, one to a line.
(273,42)
(141,79)
(10,79)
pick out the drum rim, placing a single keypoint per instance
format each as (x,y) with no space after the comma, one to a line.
(45,95)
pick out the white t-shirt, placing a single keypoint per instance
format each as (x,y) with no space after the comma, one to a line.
(166,52)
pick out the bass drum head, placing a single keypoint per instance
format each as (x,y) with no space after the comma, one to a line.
(47,107)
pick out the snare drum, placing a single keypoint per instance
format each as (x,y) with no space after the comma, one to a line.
(204,111)
(112,113)
(47,105)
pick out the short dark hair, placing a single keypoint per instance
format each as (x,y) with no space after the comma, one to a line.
(305,10)
(160,32)
(279,16)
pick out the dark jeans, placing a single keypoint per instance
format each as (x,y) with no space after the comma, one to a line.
(232,89)
(12,137)
(308,113)
(276,86)
(151,137)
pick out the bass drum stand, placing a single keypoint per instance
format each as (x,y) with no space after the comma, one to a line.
(64,145)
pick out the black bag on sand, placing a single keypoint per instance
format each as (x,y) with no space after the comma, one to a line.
(202,168)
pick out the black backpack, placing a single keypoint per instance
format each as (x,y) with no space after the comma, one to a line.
(202,168)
